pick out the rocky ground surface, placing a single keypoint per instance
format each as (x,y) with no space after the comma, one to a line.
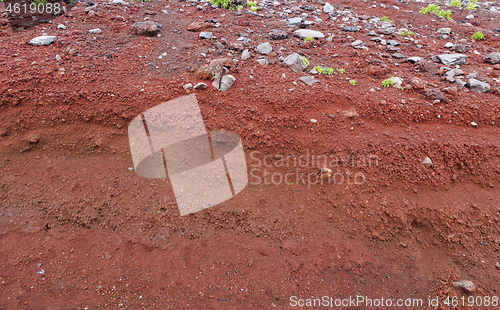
(407,102)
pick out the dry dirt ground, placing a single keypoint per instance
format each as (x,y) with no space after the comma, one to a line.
(80,230)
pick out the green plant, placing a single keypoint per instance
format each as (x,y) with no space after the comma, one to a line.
(328,71)
(306,62)
(477,36)
(437,10)
(318,68)
(239,8)
(403,88)
(352,82)
(221,3)
(386,19)
(254,9)
(40,2)
(388,82)
(456,3)
(471,6)
(473,1)
(341,70)
(308,38)
(409,33)
(251,3)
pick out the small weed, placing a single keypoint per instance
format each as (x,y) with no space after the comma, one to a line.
(239,8)
(477,36)
(254,9)
(403,88)
(221,3)
(352,82)
(386,19)
(436,9)
(328,71)
(388,82)
(456,3)
(306,62)
(341,70)
(471,6)
(308,38)
(318,68)
(251,3)
(409,33)
(40,2)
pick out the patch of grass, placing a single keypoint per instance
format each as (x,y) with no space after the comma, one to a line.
(436,9)
(328,71)
(456,3)
(471,6)
(409,33)
(251,3)
(386,19)
(306,62)
(341,70)
(308,38)
(352,82)
(318,68)
(239,8)
(254,9)
(478,36)
(388,82)
(221,3)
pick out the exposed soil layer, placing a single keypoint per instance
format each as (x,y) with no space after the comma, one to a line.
(79,229)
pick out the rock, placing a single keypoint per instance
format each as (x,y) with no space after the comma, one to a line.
(434,93)
(195,27)
(245,55)
(470,16)
(295,63)
(452,59)
(205,35)
(313,121)
(201,86)
(398,56)
(328,8)
(397,82)
(42,40)
(472,75)
(465,285)
(226,82)
(493,58)
(473,124)
(263,62)
(61,26)
(448,45)
(306,33)
(497,265)
(309,80)
(415,59)
(58,58)
(187,86)
(356,43)
(294,21)
(393,42)
(276,34)
(478,86)
(148,28)
(372,33)
(427,162)
(264,48)
(351,113)
(461,48)
(460,83)
(214,67)
(444,30)
(417,83)
(95,31)
(452,90)
(118,2)
(350,29)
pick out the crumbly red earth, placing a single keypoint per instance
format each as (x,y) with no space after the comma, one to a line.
(106,238)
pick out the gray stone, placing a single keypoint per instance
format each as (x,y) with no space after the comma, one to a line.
(187,86)
(201,86)
(328,8)
(478,86)
(460,83)
(444,30)
(493,58)
(372,33)
(265,48)
(276,34)
(295,63)
(427,162)
(393,42)
(95,31)
(118,2)
(470,16)
(466,285)
(42,40)
(309,80)
(452,59)
(294,21)
(472,75)
(448,45)
(356,43)
(226,83)
(205,35)
(398,56)
(306,33)
(415,59)
(61,26)
(245,55)
(350,29)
